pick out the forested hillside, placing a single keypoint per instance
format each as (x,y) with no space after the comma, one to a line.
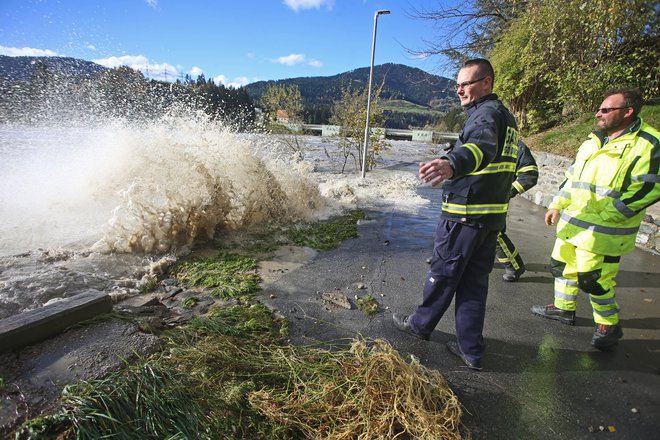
(429,96)
(23,68)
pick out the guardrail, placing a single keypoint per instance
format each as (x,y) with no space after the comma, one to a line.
(414,135)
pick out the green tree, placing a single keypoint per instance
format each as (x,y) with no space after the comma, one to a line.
(467,28)
(454,119)
(350,112)
(559,56)
(283,97)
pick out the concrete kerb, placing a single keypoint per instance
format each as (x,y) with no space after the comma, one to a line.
(36,325)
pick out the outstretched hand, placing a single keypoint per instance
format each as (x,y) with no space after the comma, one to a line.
(435,171)
(551,217)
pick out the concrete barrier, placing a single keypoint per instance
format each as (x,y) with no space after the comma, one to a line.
(39,324)
(330,130)
(422,135)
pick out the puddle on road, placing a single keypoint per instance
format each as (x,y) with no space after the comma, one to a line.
(285,259)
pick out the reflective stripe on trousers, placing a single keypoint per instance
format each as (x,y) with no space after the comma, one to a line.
(593,274)
(507,253)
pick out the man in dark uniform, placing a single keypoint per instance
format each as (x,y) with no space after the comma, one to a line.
(527,174)
(478,172)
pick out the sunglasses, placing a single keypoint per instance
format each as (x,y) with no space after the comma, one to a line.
(606,110)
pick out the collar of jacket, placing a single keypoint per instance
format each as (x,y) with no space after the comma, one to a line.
(474,104)
(634,126)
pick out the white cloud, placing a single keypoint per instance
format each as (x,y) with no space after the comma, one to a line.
(296,5)
(126,60)
(27,52)
(297,58)
(195,72)
(90,46)
(421,56)
(291,60)
(152,3)
(237,82)
(159,71)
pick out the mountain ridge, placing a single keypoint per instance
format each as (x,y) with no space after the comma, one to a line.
(399,82)
(23,68)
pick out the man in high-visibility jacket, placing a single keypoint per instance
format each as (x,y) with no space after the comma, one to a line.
(598,211)
(527,174)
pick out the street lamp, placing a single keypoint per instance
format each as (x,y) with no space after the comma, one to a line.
(371,73)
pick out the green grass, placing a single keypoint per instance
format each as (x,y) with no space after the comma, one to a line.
(149,286)
(245,321)
(191,302)
(321,235)
(328,234)
(565,139)
(368,305)
(226,275)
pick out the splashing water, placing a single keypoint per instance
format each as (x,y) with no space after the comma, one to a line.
(76,198)
(144,189)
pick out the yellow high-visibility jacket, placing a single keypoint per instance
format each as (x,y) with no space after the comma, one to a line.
(608,188)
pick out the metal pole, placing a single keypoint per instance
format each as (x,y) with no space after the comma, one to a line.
(371,73)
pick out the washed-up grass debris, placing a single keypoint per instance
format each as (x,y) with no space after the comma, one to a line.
(368,305)
(321,235)
(328,234)
(226,276)
(231,374)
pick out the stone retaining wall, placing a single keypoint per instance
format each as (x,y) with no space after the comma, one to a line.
(551,174)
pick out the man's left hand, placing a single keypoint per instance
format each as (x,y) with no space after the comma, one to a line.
(436,171)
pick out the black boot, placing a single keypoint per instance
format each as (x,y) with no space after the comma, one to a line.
(456,350)
(401,322)
(606,336)
(552,312)
(512,275)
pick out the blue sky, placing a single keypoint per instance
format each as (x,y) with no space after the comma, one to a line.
(233,42)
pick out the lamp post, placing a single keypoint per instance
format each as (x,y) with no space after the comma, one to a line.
(371,73)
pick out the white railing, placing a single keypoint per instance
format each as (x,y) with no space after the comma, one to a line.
(415,135)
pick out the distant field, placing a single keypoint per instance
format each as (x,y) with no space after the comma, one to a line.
(407,107)
(565,139)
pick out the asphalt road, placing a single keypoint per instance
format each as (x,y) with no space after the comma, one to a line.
(541,379)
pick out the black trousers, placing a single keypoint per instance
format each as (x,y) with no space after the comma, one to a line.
(463,257)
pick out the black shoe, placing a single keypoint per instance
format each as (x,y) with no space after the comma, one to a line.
(454,349)
(606,335)
(401,322)
(512,275)
(552,312)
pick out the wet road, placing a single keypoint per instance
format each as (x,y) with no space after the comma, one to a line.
(541,379)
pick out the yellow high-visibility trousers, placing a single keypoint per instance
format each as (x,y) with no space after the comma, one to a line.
(578,269)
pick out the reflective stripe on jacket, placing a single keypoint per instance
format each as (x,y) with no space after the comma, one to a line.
(484,163)
(527,172)
(608,188)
